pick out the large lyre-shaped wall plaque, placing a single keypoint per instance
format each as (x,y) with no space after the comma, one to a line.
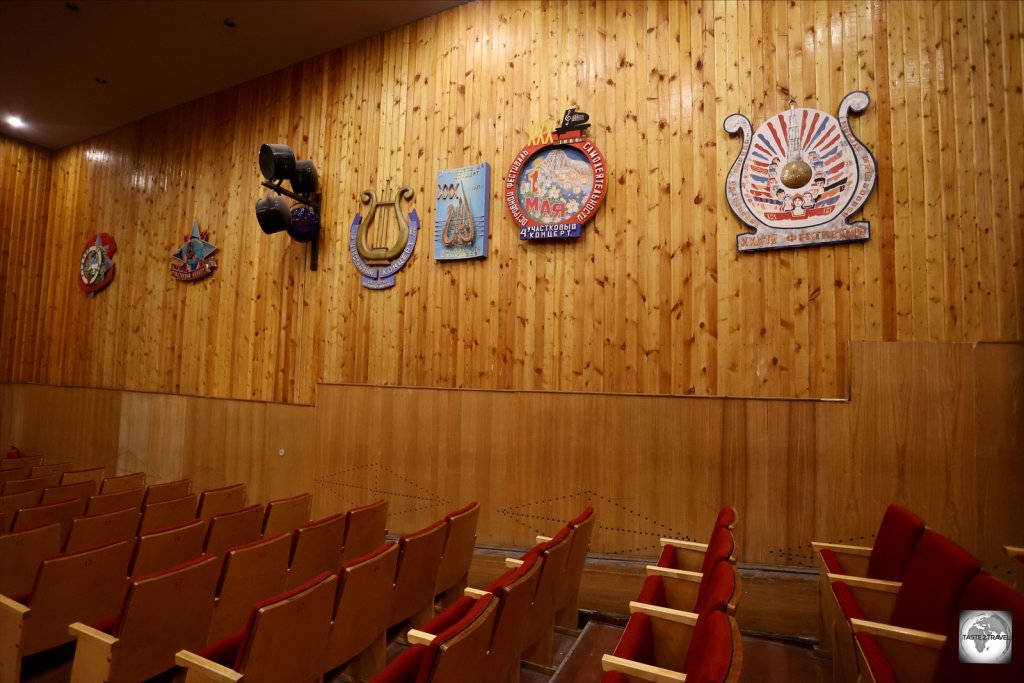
(379,246)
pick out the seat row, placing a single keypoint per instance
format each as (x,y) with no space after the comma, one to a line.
(482,637)
(891,612)
(681,626)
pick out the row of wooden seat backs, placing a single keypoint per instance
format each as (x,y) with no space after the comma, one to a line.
(42,476)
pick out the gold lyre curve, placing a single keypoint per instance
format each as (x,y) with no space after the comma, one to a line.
(382,256)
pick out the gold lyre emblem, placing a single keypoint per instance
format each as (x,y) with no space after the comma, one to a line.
(459,227)
(378,242)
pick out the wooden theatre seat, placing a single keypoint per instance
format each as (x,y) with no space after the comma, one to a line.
(14,464)
(365,529)
(213,502)
(125,482)
(250,573)
(539,630)
(316,548)
(419,556)
(698,557)
(56,468)
(665,645)
(232,529)
(887,560)
(41,515)
(20,472)
(58,494)
(286,514)
(21,552)
(22,485)
(157,493)
(460,539)
(94,474)
(925,600)
(283,641)
(84,586)
(91,531)
(1014,553)
(160,614)
(168,547)
(567,590)
(455,655)
(359,625)
(167,513)
(691,592)
(110,502)
(10,504)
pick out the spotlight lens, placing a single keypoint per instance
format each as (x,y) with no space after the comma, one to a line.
(305,224)
(272,214)
(15,122)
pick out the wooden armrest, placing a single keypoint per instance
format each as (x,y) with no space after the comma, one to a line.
(645,672)
(675,615)
(80,630)
(513,563)
(1013,551)
(870,584)
(689,545)
(416,637)
(12,607)
(94,653)
(474,593)
(839,548)
(543,539)
(906,635)
(202,670)
(653,570)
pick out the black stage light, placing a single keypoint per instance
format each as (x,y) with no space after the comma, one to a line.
(304,179)
(277,162)
(273,214)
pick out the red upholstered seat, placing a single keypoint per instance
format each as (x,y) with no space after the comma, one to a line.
(711,650)
(613,677)
(832,562)
(894,545)
(876,660)
(716,589)
(847,601)
(720,547)
(936,578)
(637,640)
(726,518)
(653,592)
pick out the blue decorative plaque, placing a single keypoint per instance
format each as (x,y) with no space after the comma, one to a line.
(462,216)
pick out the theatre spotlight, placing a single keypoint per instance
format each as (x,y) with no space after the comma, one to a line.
(278,164)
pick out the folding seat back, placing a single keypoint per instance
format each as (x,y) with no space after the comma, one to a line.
(41,515)
(169,547)
(316,548)
(419,556)
(167,513)
(715,650)
(21,553)
(719,590)
(233,529)
(720,547)
(365,529)
(727,519)
(251,573)
(894,545)
(457,655)
(361,606)
(19,472)
(568,587)
(58,494)
(223,499)
(37,484)
(14,464)
(160,614)
(937,576)
(27,461)
(515,590)
(10,504)
(111,502)
(86,586)
(57,468)
(125,482)
(287,514)
(89,532)
(94,474)
(460,539)
(157,493)
(554,554)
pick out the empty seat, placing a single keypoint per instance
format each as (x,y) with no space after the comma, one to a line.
(887,559)
(457,555)
(21,485)
(223,499)
(362,604)
(233,529)
(94,474)
(283,641)
(58,494)
(286,514)
(251,573)
(691,592)
(698,557)
(664,645)
(419,556)
(538,636)
(160,614)
(163,548)
(365,529)
(15,472)
(57,468)
(85,586)
(167,513)
(567,590)
(10,504)
(91,531)
(157,493)
(110,502)
(125,482)
(316,548)
(41,515)
(14,464)
(925,600)
(21,553)
(455,655)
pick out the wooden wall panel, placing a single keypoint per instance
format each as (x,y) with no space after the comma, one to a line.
(653,299)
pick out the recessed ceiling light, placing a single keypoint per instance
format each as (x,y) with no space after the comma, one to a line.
(15,122)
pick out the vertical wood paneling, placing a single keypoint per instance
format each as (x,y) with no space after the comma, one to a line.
(653,299)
